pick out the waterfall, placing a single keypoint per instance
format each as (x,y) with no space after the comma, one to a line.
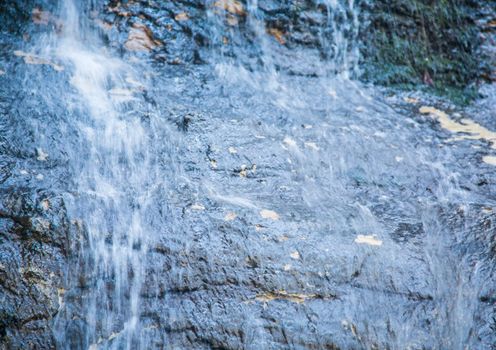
(115,165)
(114,174)
(265,199)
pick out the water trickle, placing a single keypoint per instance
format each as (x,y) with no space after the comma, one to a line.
(244,34)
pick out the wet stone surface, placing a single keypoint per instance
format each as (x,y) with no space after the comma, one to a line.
(289,212)
(34,238)
(301,278)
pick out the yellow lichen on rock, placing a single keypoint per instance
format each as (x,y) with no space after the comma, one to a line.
(183,16)
(312,145)
(368,239)
(45,204)
(295,255)
(489,160)
(34,59)
(470,129)
(269,214)
(232,6)
(140,39)
(197,206)
(411,100)
(283,295)
(467,126)
(230,216)
(40,17)
(277,34)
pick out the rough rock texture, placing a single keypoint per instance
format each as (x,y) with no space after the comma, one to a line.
(222,273)
(300,282)
(445,45)
(34,234)
(34,243)
(191,30)
(438,45)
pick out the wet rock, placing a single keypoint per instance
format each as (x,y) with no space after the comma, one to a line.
(33,252)
(342,236)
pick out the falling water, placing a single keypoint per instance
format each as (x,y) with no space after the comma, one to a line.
(333,163)
(115,176)
(343,22)
(337,39)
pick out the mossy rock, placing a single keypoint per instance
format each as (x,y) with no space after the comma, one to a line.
(424,43)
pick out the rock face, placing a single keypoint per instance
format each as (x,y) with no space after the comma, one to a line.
(292,213)
(445,46)
(33,253)
(442,46)
(34,235)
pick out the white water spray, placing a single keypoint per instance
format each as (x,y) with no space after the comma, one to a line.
(115,173)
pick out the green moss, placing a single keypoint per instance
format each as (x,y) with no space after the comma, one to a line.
(410,42)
